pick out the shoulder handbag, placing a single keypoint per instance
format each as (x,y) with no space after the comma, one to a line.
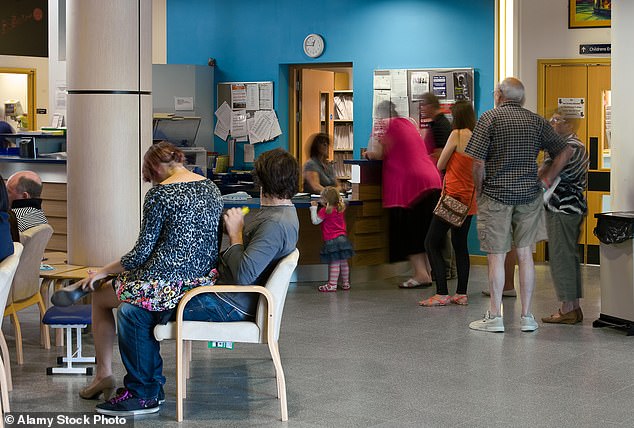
(451,210)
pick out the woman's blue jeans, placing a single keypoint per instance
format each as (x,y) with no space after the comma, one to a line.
(140,351)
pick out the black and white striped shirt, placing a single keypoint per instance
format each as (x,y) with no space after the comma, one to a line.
(568,197)
(508,139)
(29,213)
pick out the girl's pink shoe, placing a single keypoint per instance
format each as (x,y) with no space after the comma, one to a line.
(327,288)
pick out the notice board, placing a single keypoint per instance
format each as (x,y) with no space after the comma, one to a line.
(404,88)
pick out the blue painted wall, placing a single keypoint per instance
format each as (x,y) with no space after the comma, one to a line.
(256,40)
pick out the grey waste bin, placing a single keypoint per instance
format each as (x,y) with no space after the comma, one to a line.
(615,231)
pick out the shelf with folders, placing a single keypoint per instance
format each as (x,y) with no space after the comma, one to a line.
(342,171)
(343,124)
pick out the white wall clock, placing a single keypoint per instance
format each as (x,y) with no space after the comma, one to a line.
(314,45)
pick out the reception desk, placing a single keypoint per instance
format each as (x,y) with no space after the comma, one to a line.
(365,218)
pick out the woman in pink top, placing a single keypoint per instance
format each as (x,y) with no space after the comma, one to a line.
(411,188)
(337,249)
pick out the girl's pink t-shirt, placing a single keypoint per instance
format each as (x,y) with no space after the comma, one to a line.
(333,224)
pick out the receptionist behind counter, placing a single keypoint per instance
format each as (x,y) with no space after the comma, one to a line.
(318,171)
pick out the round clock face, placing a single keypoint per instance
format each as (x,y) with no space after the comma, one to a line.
(313,45)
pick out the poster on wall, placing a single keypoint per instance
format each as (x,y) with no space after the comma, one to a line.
(589,13)
(440,86)
(419,84)
(461,86)
(24,28)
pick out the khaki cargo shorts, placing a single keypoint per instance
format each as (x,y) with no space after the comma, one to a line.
(501,226)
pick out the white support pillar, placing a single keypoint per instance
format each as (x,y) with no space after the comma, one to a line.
(109,49)
(622,177)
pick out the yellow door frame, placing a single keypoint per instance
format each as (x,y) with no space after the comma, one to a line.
(30,87)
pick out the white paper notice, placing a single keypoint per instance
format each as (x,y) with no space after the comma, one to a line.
(224,114)
(266,96)
(382,80)
(184,103)
(380,97)
(399,83)
(419,84)
(249,153)
(238,96)
(401,105)
(238,123)
(275,125)
(253,96)
(221,130)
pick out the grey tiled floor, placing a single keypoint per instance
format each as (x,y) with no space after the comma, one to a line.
(372,357)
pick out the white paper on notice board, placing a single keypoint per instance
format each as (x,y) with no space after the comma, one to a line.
(239,123)
(249,153)
(184,103)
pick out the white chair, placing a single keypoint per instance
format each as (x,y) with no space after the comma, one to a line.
(25,290)
(7,271)
(264,329)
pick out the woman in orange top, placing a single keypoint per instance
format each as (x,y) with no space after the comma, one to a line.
(459,185)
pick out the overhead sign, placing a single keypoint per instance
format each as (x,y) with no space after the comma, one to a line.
(573,108)
(597,48)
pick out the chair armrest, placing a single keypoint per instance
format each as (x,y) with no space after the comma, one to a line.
(270,302)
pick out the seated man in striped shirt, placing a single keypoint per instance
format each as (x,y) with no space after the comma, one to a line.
(25,189)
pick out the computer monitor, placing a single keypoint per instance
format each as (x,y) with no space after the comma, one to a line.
(179,131)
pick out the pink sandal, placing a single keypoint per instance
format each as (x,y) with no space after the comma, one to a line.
(435,300)
(327,288)
(459,299)
(345,286)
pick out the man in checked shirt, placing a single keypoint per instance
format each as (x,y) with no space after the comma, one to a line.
(505,144)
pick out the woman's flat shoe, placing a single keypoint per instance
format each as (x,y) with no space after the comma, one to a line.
(567,318)
(68,296)
(436,300)
(105,386)
(459,299)
(412,283)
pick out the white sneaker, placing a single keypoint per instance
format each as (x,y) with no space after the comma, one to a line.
(528,323)
(488,323)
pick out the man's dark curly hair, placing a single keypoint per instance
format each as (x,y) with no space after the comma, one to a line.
(277,173)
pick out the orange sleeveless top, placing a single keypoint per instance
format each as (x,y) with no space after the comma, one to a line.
(459,180)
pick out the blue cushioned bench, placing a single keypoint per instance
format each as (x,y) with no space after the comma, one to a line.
(68,318)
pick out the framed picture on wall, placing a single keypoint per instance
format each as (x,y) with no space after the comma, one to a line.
(589,13)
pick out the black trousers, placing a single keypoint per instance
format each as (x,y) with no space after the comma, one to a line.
(434,243)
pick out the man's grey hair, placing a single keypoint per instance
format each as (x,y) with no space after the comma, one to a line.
(511,89)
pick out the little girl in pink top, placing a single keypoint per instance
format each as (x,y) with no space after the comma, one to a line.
(337,249)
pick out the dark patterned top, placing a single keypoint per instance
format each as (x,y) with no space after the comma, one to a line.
(508,139)
(179,233)
(568,197)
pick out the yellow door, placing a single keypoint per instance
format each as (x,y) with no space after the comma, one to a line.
(315,106)
(589,81)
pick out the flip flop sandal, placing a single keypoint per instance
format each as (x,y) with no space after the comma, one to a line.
(412,283)
(435,300)
(345,287)
(459,299)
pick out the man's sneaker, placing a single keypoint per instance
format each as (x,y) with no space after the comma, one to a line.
(126,404)
(528,323)
(161,394)
(488,323)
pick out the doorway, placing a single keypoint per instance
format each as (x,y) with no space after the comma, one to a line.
(18,84)
(586,82)
(320,100)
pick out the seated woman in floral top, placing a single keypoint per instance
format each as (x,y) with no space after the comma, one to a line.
(176,250)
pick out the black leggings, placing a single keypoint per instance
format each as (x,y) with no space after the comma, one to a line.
(434,243)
